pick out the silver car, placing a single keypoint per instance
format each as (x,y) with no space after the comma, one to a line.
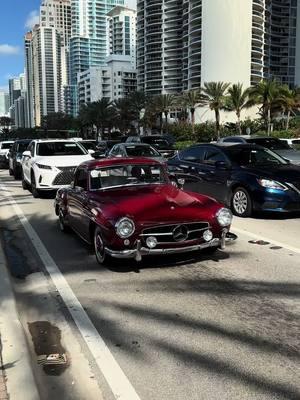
(277,145)
(136,150)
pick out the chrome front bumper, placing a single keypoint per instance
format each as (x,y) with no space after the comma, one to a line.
(140,251)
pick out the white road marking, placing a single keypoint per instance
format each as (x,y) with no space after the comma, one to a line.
(260,237)
(115,377)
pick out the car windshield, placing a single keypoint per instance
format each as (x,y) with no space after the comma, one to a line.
(158,143)
(141,151)
(59,149)
(270,143)
(6,146)
(22,147)
(88,145)
(127,175)
(254,157)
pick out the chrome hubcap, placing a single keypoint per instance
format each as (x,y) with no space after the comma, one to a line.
(240,202)
(99,248)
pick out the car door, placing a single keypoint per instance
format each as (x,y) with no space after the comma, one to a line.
(215,172)
(27,162)
(78,204)
(187,167)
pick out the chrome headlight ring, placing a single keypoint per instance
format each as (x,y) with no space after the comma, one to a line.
(224,217)
(125,228)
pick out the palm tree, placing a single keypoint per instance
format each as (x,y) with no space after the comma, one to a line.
(289,101)
(214,96)
(162,104)
(137,101)
(124,113)
(265,93)
(191,100)
(236,101)
(102,114)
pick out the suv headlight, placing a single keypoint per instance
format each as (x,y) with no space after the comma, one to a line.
(41,166)
(224,217)
(270,184)
(125,228)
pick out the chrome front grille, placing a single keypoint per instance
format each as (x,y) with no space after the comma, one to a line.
(65,177)
(176,233)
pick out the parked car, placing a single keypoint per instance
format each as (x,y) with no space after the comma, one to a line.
(275,144)
(4,150)
(293,143)
(104,146)
(135,150)
(128,208)
(15,157)
(50,164)
(159,142)
(244,177)
(92,145)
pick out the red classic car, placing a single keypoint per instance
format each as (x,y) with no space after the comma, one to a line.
(128,208)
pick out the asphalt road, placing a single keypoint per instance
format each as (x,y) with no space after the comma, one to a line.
(181,328)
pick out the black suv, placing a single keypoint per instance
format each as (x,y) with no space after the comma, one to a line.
(161,143)
(15,157)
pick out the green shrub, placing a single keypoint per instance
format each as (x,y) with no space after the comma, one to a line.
(183,144)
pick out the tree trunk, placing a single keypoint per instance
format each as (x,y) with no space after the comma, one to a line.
(269,121)
(161,122)
(217,113)
(238,114)
(166,120)
(193,120)
(288,120)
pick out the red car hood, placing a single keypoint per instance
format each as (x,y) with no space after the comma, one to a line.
(154,204)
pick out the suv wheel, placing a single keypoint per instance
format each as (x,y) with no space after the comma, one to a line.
(35,192)
(25,185)
(241,203)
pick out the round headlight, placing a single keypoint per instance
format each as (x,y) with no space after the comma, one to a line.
(151,242)
(125,228)
(224,217)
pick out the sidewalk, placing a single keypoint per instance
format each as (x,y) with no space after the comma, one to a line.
(16,377)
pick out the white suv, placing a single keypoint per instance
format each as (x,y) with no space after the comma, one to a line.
(49,164)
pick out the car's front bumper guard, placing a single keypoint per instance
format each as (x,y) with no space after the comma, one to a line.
(140,251)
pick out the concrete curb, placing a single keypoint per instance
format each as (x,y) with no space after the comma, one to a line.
(20,382)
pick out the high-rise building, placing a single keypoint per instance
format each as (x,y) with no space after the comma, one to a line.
(14,89)
(183,43)
(29,120)
(122,32)
(46,72)
(57,14)
(88,43)
(4,104)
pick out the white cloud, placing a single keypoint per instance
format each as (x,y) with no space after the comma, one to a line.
(7,49)
(32,19)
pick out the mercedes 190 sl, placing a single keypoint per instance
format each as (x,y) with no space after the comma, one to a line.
(130,208)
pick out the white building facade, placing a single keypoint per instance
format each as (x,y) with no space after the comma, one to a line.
(183,43)
(121,25)
(114,81)
(46,72)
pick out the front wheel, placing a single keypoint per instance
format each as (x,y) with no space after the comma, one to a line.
(25,185)
(11,172)
(62,222)
(241,203)
(99,247)
(35,192)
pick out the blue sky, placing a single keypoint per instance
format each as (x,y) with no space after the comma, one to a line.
(14,17)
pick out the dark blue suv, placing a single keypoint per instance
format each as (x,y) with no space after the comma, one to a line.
(245,177)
